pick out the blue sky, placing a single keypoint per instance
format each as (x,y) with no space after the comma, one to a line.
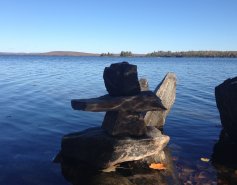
(98,26)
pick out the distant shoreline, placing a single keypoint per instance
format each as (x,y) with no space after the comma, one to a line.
(51,53)
(194,54)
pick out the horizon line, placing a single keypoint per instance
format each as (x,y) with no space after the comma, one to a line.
(97,53)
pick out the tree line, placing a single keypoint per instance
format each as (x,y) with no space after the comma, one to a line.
(106,54)
(221,54)
(193,54)
(122,54)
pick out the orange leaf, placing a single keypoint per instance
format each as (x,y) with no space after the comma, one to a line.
(157,166)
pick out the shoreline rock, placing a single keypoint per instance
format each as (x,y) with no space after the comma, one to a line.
(226,101)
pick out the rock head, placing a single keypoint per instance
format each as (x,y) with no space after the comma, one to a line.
(121,79)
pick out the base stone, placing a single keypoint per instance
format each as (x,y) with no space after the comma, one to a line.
(98,149)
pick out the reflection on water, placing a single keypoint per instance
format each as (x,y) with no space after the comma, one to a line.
(35,111)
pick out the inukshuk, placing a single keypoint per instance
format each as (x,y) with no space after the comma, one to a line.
(123,135)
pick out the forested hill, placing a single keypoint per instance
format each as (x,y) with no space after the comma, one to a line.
(193,54)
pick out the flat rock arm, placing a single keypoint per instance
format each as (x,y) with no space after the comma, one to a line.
(144,101)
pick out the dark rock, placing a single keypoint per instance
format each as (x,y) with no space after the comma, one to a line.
(225,151)
(121,79)
(166,91)
(144,101)
(124,123)
(224,159)
(110,179)
(151,179)
(96,148)
(226,100)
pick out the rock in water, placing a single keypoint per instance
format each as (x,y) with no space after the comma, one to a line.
(226,100)
(225,151)
(121,79)
(166,91)
(96,148)
(124,123)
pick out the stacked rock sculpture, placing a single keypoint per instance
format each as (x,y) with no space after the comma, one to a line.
(124,135)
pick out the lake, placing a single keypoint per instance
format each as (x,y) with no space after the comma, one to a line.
(35,110)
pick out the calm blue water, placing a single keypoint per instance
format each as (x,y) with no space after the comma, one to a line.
(35,110)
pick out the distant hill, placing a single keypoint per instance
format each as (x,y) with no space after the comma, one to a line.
(68,53)
(53,53)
